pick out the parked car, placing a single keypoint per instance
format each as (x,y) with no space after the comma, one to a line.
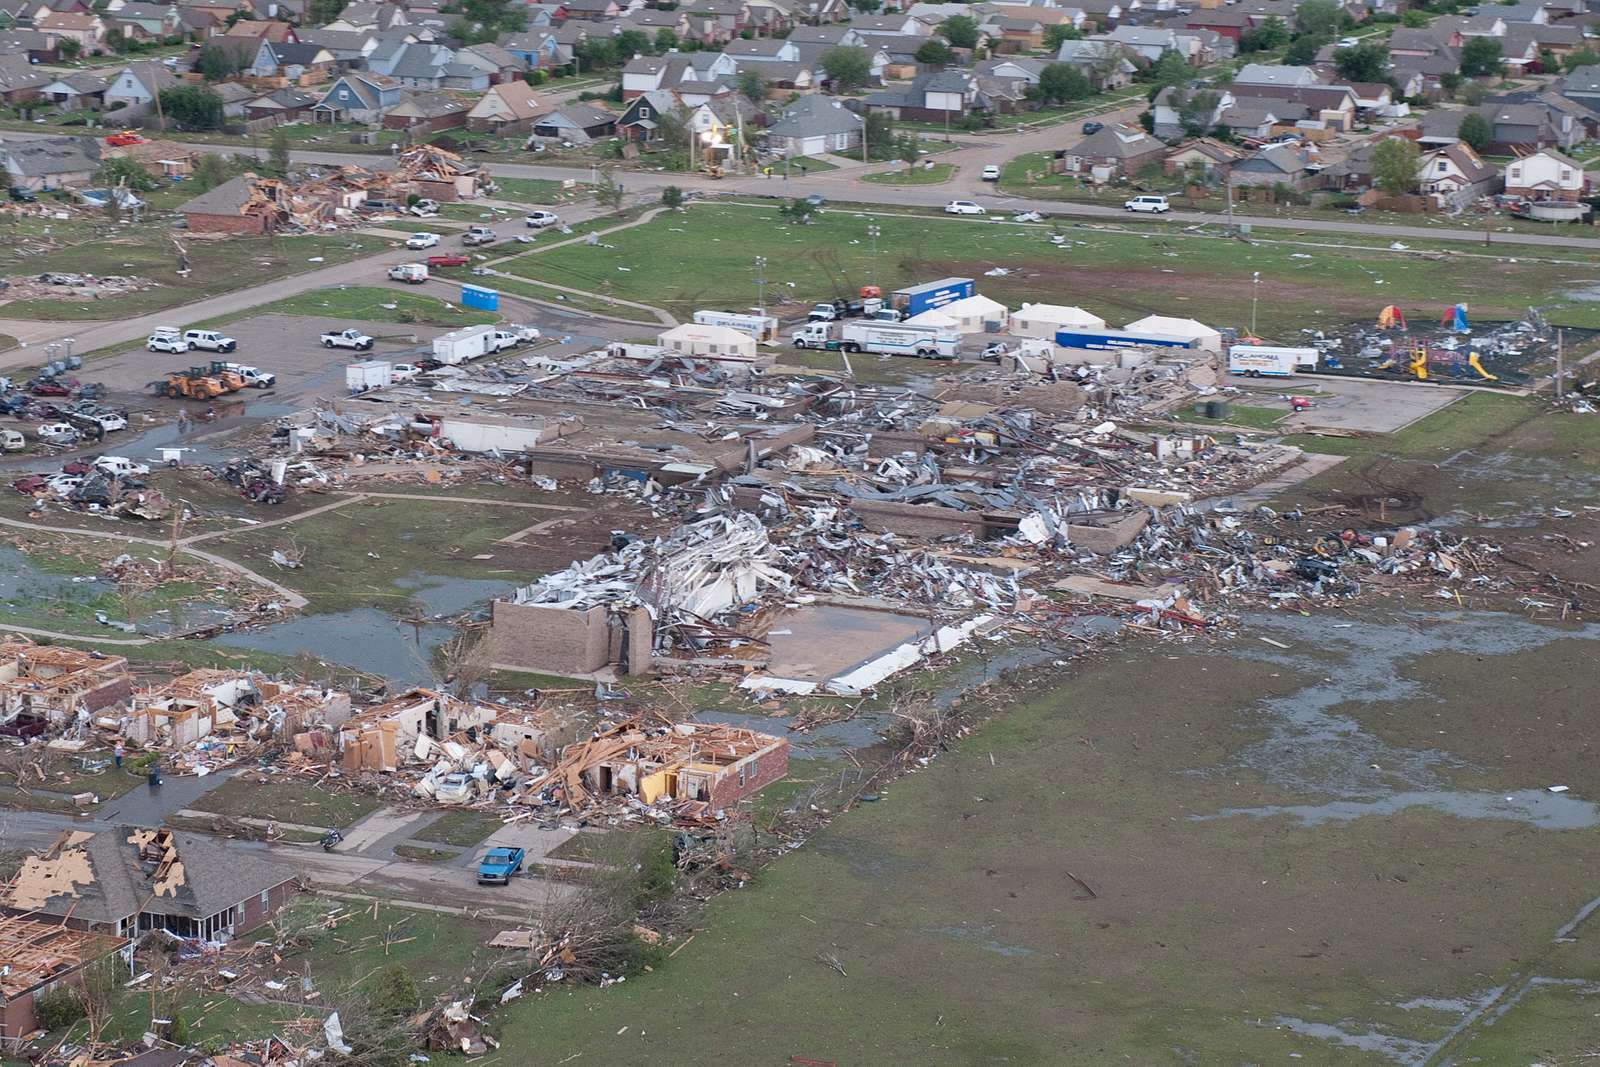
(479,235)
(1150,204)
(1093,127)
(210,340)
(425,208)
(991,173)
(410,273)
(1349,42)
(104,421)
(62,484)
(166,339)
(447,259)
(26,724)
(815,200)
(963,207)
(422,239)
(381,206)
(57,433)
(538,220)
(121,467)
(404,372)
(23,196)
(49,387)
(12,441)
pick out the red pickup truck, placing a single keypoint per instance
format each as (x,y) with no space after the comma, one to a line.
(447,259)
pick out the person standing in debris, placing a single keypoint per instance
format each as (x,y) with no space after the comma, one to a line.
(117,755)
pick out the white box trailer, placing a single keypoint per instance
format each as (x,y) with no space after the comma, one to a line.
(1270,361)
(929,342)
(459,346)
(368,374)
(761,327)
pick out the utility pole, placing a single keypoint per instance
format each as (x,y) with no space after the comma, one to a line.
(1230,202)
(873,232)
(761,284)
(1255,291)
(1560,352)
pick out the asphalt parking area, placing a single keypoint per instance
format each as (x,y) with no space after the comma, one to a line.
(1354,404)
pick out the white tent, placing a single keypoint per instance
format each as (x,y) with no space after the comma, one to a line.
(936,318)
(977,314)
(710,342)
(1183,329)
(1043,320)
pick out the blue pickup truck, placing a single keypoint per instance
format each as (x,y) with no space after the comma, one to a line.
(499,864)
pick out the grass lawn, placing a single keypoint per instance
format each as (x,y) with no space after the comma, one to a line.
(918,175)
(463,828)
(418,854)
(289,800)
(963,889)
(1029,175)
(216,267)
(371,304)
(1121,272)
(522,287)
(539,192)
(1261,418)
(417,542)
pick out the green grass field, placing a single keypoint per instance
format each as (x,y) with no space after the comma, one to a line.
(372,304)
(287,801)
(1260,418)
(463,828)
(1121,271)
(216,267)
(939,172)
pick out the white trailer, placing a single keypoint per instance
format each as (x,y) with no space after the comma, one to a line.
(458,346)
(886,338)
(1269,361)
(368,374)
(761,327)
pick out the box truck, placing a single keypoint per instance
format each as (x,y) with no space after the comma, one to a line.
(1266,360)
(882,337)
(916,299)
(459,346)
(368,374)
(1110,340)
(761,327)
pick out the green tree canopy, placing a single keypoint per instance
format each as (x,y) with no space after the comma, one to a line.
(192,107)
(1060,83)
(960,30)
(847,68)
(1318,18)
(1475,131)
(935,53)
(1480,57)
(752,86)
(1366,62)
(1394,166)
(1054,35)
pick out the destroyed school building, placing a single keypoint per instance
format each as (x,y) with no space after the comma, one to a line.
(250,204)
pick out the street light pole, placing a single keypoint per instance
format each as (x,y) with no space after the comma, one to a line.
(761,284)
(872,232)
(1255,291)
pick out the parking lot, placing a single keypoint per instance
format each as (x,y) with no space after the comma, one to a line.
(1355,404)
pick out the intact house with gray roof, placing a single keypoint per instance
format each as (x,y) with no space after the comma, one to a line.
(129,880)
(938,96)
(1117,151)
(50,162)
(814,125)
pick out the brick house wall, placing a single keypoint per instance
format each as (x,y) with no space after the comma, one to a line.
(255,913)
(557,640)
(251,224)
(751,775)
(16,1016)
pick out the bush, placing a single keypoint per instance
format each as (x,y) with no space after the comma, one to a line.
(394,992)
(58,1009)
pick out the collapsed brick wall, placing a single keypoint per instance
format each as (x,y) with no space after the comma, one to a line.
(253,224)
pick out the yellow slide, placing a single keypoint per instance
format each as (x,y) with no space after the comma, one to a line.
(1472,361)
(1419,363)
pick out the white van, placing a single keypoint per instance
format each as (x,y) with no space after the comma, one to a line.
(1154,204)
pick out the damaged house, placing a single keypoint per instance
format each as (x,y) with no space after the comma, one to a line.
(204,702)
(58,682)
(380,738)
(694,768)
(131,880)
(41,954)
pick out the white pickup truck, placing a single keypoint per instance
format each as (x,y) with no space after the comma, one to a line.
(351,338)
(254,377)
(210,340)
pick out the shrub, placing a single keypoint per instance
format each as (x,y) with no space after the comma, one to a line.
(58,1009)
